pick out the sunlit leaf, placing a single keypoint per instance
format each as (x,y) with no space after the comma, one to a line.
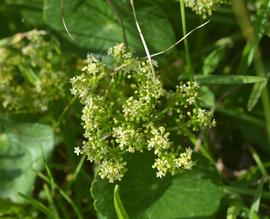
(22,152)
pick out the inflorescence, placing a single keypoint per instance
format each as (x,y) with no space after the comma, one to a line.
(32,73)
(126,109)
(204,8)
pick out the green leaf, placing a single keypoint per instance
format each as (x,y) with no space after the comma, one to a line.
(38,205)
(255,94)
(262,18)
(94,25)
(23,147)
(212,60)
(229,79)
(234,209)
(191,194)
(207,97)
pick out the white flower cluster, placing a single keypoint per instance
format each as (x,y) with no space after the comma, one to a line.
(159,140)
(123,112)
(184,160)
(128,138)
(203,7)
(31,67)
(184,102)
(188,92)
(112,170)
(170,163)
(200,118)
(146,94)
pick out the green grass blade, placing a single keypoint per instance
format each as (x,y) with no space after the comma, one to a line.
(51,201)
(257,199)
(238,114)
(118,205)
(255,94)
(253,36)
(77,171)
(246,191)
(212,60)
(258,161)
(229,79)
(63,194)
(38,205)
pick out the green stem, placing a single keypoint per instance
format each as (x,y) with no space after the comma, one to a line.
(63,194)
(142,38)
(58,122)
(184,29)
(253,40)
(77,171)
(118,205)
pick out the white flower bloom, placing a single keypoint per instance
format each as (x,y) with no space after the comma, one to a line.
(77,151)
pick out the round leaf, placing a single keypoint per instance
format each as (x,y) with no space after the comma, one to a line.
(190,194)
(23,148)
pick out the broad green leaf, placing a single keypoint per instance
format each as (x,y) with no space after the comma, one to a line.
(191,194)
(95,26)
(212,60)
(229,79)
(6,207)
(23,148)
(20,15)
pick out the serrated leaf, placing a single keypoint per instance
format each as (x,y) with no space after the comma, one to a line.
(95,25)
(23,147)
(191,194)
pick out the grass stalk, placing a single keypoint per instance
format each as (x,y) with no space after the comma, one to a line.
(184,30)
(253,40)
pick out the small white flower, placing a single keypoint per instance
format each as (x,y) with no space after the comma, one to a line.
(77,151)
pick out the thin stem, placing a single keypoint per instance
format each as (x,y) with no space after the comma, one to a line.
(77,171)
(63,20)
(142,38)
(180,40)
(63,194)
(184,29)
(65,111)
